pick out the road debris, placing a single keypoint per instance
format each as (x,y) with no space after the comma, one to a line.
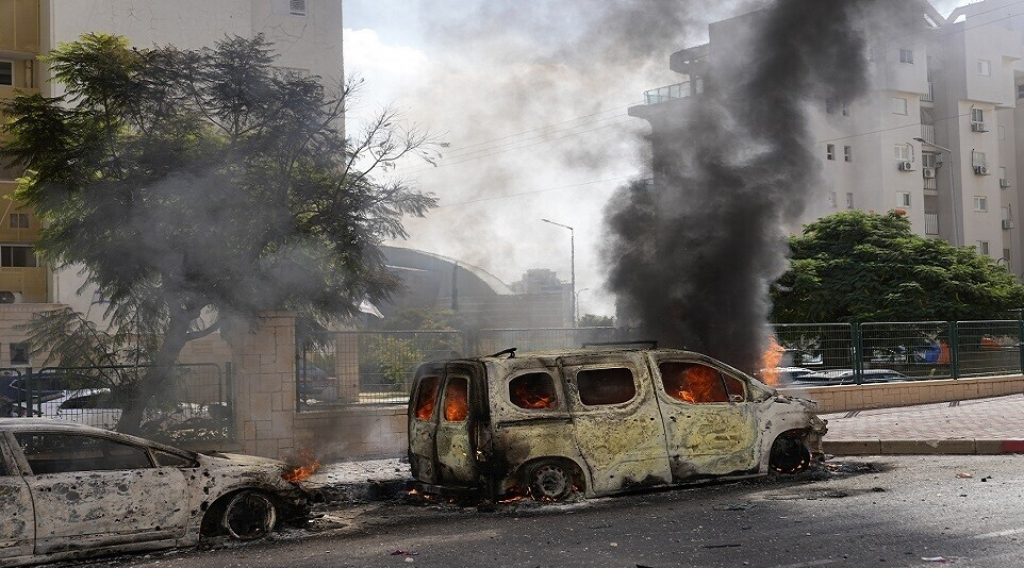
(964,475)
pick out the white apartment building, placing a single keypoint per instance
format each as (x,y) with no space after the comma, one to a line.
(307,36)
(937,137)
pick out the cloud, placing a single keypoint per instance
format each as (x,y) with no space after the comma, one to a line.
(387,69)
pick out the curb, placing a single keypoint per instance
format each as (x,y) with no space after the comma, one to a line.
(878,447)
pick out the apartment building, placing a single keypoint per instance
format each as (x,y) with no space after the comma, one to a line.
(937,136)
(307,35)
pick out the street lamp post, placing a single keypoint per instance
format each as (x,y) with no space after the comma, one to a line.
(572,264)
(577,302)
(954,208)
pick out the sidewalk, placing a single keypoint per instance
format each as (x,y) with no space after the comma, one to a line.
(983,426)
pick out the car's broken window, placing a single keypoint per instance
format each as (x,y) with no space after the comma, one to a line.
(605,386)
(533,391)
(426,397)
(168,460)
(456,400)
(56,453)
(699,383)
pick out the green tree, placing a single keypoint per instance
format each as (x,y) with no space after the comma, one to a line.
(858,267)
(199,187)
(596,321)
(431,333)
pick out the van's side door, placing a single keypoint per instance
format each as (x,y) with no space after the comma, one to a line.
(616,421)
(710,419)
(423,410)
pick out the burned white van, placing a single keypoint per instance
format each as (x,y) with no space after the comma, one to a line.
(598,421)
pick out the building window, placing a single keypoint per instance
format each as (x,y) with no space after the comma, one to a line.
(832,199)
(830,151)
(978,120)
(929,159)
(19,220)
(1020,91)
(982,246)
(19,353)
(981,203)
(17,257)
(848,153)
(902,199)
(846,109)
(903,153)
(849,200)
(906,56)
(830,107)
(290,7)
(899,106)
(984,68)
(6,73)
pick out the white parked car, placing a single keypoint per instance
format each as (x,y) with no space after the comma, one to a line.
(74,491)
(98,407)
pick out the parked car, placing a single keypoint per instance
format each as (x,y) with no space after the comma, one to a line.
(315,384)
(74,491)
(783,375)
(100,407)
(21,389)
(598,421)
(837,377)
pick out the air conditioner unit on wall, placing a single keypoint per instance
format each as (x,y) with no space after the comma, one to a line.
(8,297)
(1007,224)
(981,170)
(905,166)
(978,127)
(1004,183)
(928,172)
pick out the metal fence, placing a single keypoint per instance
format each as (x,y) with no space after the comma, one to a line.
(192,405)
(345,368)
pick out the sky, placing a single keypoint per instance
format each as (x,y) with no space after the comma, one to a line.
(532,98)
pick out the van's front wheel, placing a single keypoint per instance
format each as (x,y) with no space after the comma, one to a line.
(549,481)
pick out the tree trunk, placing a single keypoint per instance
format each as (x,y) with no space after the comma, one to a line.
(174,341)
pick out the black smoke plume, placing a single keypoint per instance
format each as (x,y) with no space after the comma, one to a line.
(693,251)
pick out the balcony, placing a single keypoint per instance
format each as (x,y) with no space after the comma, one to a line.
(673,92)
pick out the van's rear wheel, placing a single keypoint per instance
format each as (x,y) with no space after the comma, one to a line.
(549,481)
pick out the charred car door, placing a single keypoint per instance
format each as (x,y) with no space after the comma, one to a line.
(17,531)
(710,422)
(446,410)
(616,421)
(91,492)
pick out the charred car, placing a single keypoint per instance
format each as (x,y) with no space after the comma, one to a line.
(72,491)
(598,422)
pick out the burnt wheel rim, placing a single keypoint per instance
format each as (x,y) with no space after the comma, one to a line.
(550,482)
(789,456)
(249,516)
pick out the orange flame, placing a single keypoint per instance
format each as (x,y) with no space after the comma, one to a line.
(770,359)
(306,466)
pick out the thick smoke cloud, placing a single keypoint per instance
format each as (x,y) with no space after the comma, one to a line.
(533,97)
(692,252)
